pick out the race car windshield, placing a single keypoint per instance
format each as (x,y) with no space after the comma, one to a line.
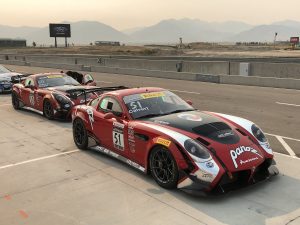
(56,80)
(151,104)
(3,70)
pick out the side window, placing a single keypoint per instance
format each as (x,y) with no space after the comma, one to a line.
(29,81)
(110,104)
(95,102)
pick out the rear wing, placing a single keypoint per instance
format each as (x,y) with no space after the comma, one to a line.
(19,78)
(75,93)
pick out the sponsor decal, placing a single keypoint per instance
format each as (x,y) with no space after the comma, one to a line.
(119,125)
(164,142)
(209,165)
(91,116)
(191,117)
(83,100)
(241,150)
(31,99)
(54,76)
(152,95)
(137,107)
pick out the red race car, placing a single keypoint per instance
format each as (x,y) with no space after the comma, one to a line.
(53,94)
(155,131)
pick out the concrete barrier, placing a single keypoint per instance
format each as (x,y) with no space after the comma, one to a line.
(57,66)
(287,83)
(13,62)
(206,67)
(51,59)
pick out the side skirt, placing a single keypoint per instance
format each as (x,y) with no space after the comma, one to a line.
(119,157)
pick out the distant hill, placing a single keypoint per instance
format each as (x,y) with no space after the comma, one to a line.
(190,30)
(166,31)
(265,33)
(83,32)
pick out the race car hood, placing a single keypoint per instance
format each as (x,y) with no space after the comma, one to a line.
(233,148)
(67,88)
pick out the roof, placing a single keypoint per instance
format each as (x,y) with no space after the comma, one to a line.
(132,91)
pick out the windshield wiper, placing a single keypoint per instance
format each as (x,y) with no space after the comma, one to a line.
(178,111)
(150,115)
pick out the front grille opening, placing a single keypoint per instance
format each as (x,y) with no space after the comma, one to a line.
(240,179)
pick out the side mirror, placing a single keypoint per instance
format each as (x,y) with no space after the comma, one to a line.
(109,115)
(189,102)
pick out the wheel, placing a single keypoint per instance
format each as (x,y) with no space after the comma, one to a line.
(48,110)
(163,167)
(15,101)
(79,134)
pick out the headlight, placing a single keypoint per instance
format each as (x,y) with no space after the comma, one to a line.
(197,150)
(257,132)
(62,100)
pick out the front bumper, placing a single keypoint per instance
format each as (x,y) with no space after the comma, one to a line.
(5,88)
(225,181)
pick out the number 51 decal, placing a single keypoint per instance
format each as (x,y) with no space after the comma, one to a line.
(118,139)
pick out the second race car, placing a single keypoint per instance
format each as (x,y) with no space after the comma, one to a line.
(155,131)
(53,94)
(6,78)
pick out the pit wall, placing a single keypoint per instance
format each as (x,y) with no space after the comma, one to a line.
(281,75)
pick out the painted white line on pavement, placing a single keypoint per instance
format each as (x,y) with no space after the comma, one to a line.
(286,146)
(102,81)
(38,159)
(282,154)
(275,135)
(188,92)
(283,103)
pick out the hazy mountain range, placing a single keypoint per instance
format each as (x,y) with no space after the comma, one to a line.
(166,31)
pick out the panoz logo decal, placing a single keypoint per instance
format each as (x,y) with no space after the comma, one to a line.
(164,142)
(191,117)
(152,95)
(241,150)
(54,76)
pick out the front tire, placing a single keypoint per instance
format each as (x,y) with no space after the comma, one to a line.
(163,167)
(48,110)
(80,134)
(15,101)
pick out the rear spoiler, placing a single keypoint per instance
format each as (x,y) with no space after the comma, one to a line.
(75,93)
(19,78)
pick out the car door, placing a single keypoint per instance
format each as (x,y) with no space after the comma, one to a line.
(111,132)
(27,94)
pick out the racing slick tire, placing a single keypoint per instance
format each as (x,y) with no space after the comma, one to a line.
(15,101)
(163,167)
(48,110)
(80,134)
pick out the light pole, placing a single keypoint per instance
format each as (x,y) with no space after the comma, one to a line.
(275,39)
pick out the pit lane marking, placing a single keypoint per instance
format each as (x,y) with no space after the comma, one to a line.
(288,104)
(286,146)
(292,139)
(37,159)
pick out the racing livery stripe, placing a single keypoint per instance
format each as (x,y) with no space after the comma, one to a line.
(119,157)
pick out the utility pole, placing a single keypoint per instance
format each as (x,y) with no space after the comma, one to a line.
(275,36)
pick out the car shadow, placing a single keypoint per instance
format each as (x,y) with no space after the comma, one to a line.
(255,204)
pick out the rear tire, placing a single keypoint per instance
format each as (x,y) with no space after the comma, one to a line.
(80,134)
(163,167)
(15,101)
(48,110)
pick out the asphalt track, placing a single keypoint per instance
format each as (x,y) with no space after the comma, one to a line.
(44,179)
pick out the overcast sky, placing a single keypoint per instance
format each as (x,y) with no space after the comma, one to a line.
(122,14)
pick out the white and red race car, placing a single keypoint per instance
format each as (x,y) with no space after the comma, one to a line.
(157,132)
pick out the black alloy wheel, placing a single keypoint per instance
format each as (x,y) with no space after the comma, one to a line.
(163,167)
(48,110)
(80,134)
(15,101)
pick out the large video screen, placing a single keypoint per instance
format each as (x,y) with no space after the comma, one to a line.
(60,30)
